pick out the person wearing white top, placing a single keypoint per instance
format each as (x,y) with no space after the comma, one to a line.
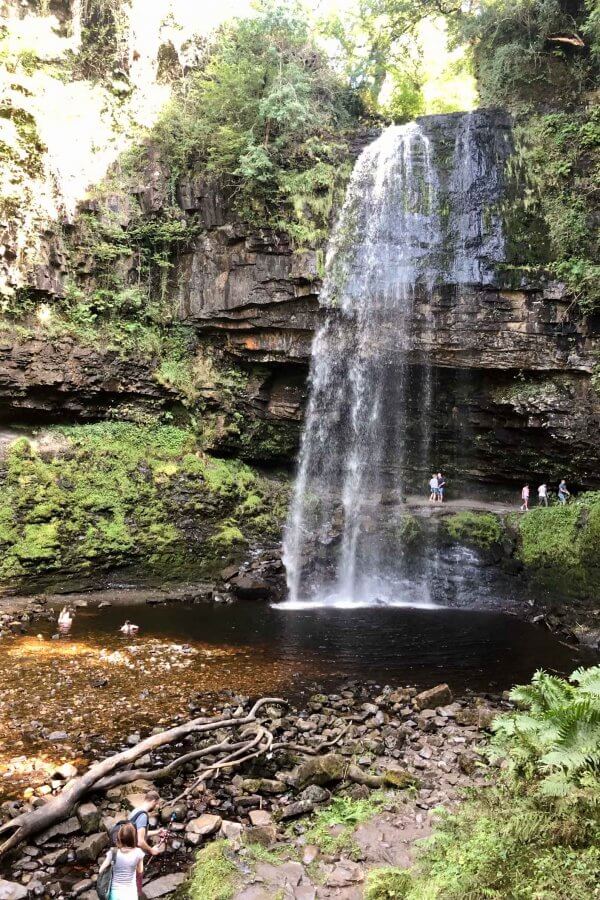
(433,485)
(127,866)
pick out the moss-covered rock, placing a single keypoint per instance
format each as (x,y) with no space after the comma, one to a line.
(559,544)
(477,528)
(122,495)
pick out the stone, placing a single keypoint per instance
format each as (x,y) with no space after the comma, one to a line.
(80,887)
(251,587)
(57,737)
(467,763)
(56,858)
(173,813)
(89,817)
(310,854)
(265,835)
(321,770)
(64,772)
(90,849)
(315,794)
(163,886)
(204,825)
(63,829)
(440,695)
(11,890)
(400,779)
(232,831)
(294,810)
(260,817)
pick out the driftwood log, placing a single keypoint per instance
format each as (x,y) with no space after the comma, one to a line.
(253,740)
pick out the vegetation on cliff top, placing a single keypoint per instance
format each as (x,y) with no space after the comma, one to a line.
(536,833)
(120,494)
(541,60)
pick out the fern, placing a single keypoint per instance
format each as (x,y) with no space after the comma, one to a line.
(555,735)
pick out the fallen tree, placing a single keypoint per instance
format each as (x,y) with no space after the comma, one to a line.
(253,740)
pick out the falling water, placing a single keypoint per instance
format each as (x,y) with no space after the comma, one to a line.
(347,539)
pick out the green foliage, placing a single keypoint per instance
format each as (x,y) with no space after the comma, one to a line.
(214,876)
(554,738)
(481,529)
(332,827)
(120,494)
(562,537)
(264,117)
(517,60)
(557,176)
(387,884)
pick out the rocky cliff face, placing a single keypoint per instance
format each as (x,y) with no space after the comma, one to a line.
(513,365)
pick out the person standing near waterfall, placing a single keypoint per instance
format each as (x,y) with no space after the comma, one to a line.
(441,487)
(433,487)
(525,498)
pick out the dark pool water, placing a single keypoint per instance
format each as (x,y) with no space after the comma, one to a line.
(469,649)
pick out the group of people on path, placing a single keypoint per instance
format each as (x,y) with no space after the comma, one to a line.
(126,858)
(563,494)
(437,486)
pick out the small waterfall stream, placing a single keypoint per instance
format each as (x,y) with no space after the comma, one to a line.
(345,540)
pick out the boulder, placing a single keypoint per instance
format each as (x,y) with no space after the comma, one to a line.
(89,817)
(400,779)
(90,849)
(440,695)
(10,890)
(321,770)
(163,886)
(232,831)
(251,587)
(294,810)
(204,825)
(64,772)
(260,817)
(63,829)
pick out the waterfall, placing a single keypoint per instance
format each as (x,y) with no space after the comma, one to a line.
(370,408)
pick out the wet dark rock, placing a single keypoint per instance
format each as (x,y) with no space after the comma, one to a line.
(88,815)
(251,587)
(296,809)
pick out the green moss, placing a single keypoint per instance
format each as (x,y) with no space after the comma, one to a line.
(408,530)
(120,494)
(387,884)
(214,876)
(481,529)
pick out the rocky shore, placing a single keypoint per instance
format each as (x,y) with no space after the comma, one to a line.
(392,752)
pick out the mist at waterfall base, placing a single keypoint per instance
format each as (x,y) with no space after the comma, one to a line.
(407,227)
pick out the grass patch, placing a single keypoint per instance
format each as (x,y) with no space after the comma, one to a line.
(214,876)
(481,529)
(332,828)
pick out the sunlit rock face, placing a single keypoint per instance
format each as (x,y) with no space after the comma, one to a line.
(509,359)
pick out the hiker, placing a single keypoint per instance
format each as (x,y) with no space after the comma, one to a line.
(65,620)
(543,495)
(140,819)
(127,863)
(433,486)
(525,498)
(563,492)
(441,486)
(128,629)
